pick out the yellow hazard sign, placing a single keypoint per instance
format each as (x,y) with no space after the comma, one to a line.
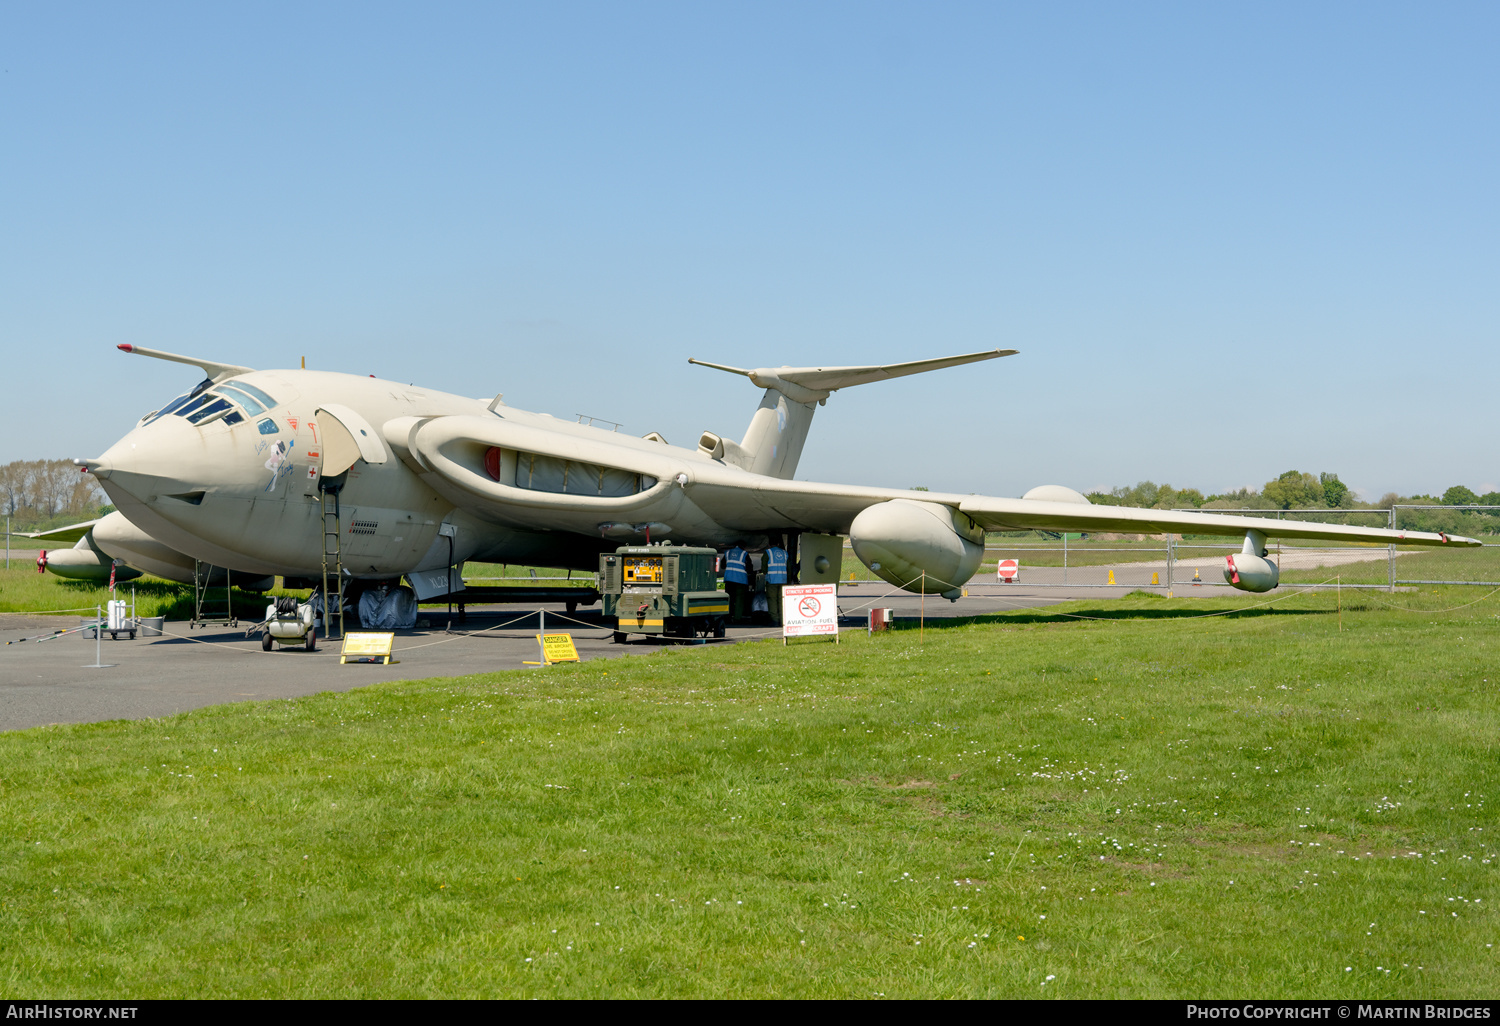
(558,648)
(368,647)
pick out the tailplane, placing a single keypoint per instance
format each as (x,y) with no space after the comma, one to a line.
(773,442)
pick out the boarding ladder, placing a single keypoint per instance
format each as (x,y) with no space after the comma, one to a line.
(333,562)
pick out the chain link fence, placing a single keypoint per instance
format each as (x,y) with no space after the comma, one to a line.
(1177,562)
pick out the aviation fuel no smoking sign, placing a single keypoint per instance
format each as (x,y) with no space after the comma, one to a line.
(809,609)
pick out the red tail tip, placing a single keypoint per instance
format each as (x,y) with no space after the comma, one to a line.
(126,348)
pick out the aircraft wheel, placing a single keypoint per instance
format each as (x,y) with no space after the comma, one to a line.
(618,638)
(718,628)
(266,644)
(572,607)
(312,641)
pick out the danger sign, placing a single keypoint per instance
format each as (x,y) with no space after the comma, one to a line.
(1008,571)
(558,648)
(809,609)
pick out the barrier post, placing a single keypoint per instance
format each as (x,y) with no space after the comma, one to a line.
(1391,554)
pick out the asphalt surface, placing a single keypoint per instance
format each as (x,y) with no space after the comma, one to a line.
(54,681)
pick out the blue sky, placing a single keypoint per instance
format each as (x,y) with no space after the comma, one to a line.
(1229,240)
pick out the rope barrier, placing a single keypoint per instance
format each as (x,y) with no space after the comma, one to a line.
(1010,606)
(461,635)
(200,641)
(1196,616)
(1449,609)
(671,637)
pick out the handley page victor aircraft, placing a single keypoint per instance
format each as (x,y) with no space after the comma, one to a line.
(243,470)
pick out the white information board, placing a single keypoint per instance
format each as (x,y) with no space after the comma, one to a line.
(809,609)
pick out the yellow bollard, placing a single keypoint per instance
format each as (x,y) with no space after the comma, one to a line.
(851,575)
(1154,578)
(1111,577)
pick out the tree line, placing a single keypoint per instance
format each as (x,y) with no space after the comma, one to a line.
(1292,490)
(1296,490)
(39,494)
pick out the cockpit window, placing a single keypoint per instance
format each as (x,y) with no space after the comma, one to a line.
(233,417)
(203,413)
(267,426)
(202,400)
(171,407)
(252,405)
(197,406)
(242,386)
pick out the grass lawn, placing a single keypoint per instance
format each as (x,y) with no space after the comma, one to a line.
(1148,804)
(23,590)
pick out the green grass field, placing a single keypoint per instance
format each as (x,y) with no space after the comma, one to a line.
(503,573)
(23,590)
(1104,799)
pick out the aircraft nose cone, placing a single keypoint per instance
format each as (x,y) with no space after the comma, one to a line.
(157,459)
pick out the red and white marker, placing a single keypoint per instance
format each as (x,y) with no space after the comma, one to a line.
(1008,571)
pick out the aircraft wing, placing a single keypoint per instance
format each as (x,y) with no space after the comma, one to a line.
(61,535)
(1036,515)
(701,498)
(831,508)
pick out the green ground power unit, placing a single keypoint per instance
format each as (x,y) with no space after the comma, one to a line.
(671,590)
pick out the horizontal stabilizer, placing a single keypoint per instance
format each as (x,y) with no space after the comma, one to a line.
(812,384)
(217,371)
(61,535)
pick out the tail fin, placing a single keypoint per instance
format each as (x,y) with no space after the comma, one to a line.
(773,442)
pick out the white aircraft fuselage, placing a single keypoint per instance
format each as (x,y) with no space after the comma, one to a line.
(239,472)
(246,495)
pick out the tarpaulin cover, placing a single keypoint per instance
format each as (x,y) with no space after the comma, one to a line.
(392,609)
(395,609)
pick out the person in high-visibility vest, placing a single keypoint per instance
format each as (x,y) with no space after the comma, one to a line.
(776,578)
(737,581)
